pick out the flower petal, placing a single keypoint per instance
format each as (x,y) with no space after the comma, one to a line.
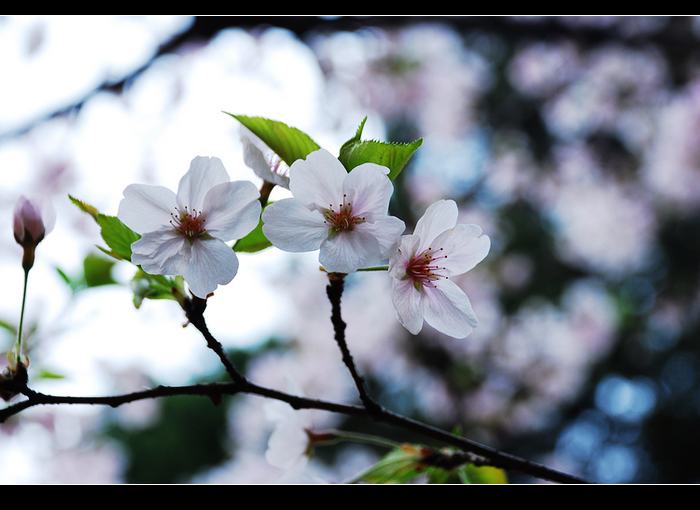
(346,252)
(292,227)
(255,158)
(162,251)
(440,216)
(204,174)
(401,258)
(232,209)
(407,303)
(386,230)
(317,181)
(369,190)
(146,208)
(447,308)
(213,263)
(464,247)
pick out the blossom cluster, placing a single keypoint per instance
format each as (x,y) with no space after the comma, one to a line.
(342,214)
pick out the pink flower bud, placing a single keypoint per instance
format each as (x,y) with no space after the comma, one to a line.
(31,223)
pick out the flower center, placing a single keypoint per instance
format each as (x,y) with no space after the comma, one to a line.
(189,223)
(343,219)
(424,270)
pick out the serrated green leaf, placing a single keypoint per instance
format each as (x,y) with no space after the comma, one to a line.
(289,143)
(85,207)
(118,236)
(394,156)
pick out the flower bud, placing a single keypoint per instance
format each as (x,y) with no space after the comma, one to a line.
(31,222)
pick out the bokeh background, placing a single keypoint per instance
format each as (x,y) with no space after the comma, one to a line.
(572,141)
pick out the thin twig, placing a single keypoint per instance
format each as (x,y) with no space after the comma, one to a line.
(334,289)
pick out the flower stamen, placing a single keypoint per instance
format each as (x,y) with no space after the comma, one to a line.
(343,219)
(189,224)
(423,270)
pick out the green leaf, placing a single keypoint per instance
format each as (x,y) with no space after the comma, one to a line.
(85,207)
(398,466)
(151,286)
(98,271)
(118,236)
(289,143)
(394,156)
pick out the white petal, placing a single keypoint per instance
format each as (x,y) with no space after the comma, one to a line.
(440,216)
(406,301)
(346,252)
(292,227)
(213,263)
(232,209)
(369,190)
(162,251)
(204,174)
(386,230)
(400,259)
(464,247)
(146,208)
(317,181)
(287,445)
(447,309)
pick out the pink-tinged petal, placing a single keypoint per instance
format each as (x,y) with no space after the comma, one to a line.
(401,258)
(407,303)
(317,181)
(204,174)
(369,191)
(32,219)
(146,208)
(254,156)
(232,209)
(213,263)
(447,308)
(464,247)
(440,216)
(346,252)
(386,230)
(162,252)
(292,227)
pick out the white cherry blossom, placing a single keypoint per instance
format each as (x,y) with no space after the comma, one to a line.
(186,234)
(344,214)
(423,264)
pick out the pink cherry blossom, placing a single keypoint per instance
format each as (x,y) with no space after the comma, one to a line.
(423,264)
(186,234)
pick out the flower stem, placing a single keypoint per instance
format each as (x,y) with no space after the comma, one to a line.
(378,268)
(336,284)
(18,345)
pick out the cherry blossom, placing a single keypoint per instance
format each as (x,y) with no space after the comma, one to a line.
(262,160)
(186,234)
(344,214)
(423,264)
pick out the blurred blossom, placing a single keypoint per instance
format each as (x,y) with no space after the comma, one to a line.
(602,226)
(672,164)
(625,399)
(539,69)
(612,81)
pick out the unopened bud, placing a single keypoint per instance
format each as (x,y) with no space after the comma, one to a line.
(31,222)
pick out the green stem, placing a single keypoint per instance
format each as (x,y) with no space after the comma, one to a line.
(357,437)
(378,268)
(18,345)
